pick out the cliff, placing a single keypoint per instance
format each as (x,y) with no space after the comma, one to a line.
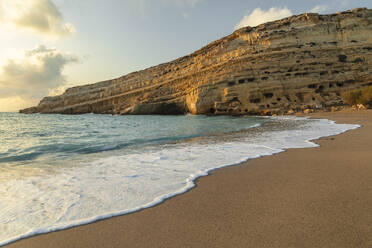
(301,62)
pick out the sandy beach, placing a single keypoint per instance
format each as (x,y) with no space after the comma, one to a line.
(315,197)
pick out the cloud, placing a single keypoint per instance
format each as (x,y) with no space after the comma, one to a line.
(37,73)
(320,9)
(39,16)
(259,16)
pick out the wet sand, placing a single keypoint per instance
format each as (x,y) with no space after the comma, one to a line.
(314,197)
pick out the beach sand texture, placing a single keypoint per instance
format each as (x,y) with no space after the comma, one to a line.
(315,197)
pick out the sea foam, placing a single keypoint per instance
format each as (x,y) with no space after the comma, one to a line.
(117,183)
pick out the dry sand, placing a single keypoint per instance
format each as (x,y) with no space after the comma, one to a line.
(316,197)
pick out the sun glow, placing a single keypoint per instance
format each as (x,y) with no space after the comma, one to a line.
(15,103)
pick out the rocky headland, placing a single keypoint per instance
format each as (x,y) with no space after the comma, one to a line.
(301,63)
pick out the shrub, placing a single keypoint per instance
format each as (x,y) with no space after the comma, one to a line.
(366,97)
(352,97)
(355,97)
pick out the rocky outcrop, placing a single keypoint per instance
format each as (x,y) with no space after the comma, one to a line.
(302,62)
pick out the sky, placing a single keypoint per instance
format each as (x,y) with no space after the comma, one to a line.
(47,46)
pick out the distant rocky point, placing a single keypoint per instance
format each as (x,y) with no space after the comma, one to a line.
(301,62)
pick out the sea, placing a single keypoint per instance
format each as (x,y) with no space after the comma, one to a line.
(59,171)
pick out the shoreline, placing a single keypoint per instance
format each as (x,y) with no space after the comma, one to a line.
(87,235)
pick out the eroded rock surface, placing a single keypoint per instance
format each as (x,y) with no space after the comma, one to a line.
(301,62)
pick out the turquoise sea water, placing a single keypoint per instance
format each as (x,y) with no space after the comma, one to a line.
(58,171)
(26,138)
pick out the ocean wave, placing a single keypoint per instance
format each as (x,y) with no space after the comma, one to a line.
(128,180)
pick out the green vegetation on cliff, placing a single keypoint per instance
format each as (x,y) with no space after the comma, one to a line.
(362,96)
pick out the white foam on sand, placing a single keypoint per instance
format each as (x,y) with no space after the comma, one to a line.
(122,184)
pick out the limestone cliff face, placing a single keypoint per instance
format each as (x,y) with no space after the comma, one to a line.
(300,62)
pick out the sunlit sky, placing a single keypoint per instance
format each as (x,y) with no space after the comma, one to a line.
(49,45)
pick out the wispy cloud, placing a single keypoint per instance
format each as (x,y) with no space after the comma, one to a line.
(320,9)
(37,73)
(259,16)
(39,16)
